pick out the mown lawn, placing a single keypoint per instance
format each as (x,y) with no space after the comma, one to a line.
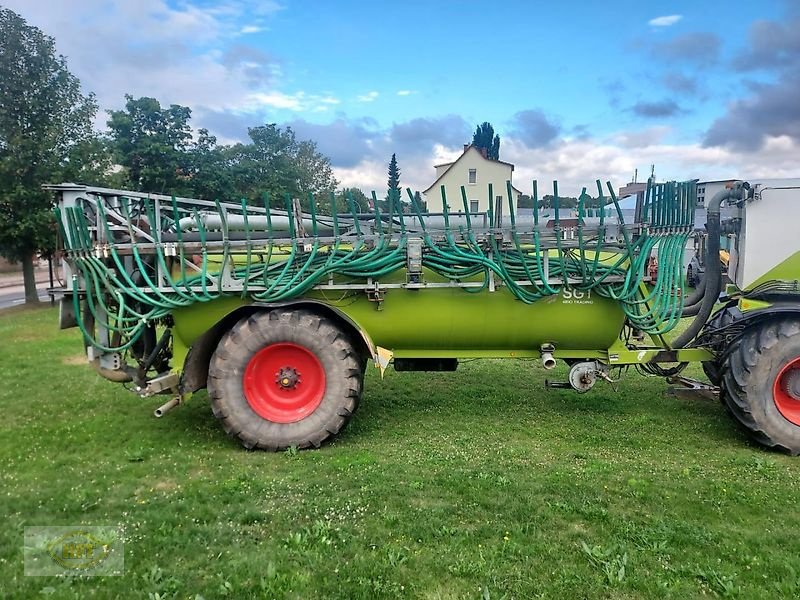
(474,484)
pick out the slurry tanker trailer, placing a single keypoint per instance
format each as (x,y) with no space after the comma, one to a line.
(278,309)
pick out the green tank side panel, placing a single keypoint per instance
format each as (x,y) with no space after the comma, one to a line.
(450,320)
(787,270)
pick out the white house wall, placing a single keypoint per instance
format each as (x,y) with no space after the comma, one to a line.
(487,171)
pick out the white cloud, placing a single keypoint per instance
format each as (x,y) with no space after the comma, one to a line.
(298,102)
(576,163)
(250,29)
(275,100)
(665,21)
(368,97)
(177,53)
(406,92)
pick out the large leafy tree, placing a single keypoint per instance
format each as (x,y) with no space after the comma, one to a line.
(208,174)
(44,121)
(152,143)
(484,137)
(276,163)
(160,154)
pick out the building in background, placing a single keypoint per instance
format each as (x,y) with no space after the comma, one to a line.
(707,189)
(475,172)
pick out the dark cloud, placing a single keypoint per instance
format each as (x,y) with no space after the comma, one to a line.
(255,66)
(773,110)
(680,83)
(699,48)
(659,109)
(534,128)
(422,134)
(769,109)
(226,125)
(349,141)
(345,142)
(772,45)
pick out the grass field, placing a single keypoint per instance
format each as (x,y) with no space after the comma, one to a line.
(474,484)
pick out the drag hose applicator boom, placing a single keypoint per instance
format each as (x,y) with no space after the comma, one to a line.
(713,275)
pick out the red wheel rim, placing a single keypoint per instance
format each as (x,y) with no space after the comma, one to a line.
(284,382)
(787,405)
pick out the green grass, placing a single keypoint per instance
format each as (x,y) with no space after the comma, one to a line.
(474,484)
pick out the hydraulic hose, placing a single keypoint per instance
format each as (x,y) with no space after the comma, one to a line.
(713,269)
(125,292)
(696,296)
(695,301)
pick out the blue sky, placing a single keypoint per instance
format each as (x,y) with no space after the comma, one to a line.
(576,90)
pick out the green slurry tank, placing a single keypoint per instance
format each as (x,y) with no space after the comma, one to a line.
(279,309)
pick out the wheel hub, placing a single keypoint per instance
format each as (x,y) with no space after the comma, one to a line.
(790,382)
(786,391)
(287,378)
(284,382)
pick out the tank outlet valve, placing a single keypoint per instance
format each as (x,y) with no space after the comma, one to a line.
(548,361)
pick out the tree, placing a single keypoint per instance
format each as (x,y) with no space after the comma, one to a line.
(43,118)
(484,137)
(277,164)
(548,201)
(423,206)
(524,201)
(208,173)
(360,200)
(91,160)
(393,182)
(156,147)
(151,143)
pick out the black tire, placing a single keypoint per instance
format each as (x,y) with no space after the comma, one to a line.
(314,335)
(757,358)
(711,369)
(690,281)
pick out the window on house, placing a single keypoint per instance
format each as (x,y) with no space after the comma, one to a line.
(473,206)
(473,175)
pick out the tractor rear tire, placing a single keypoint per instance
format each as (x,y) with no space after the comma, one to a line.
(761,383)
(285,378)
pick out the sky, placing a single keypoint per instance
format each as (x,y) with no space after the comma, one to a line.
(577,90)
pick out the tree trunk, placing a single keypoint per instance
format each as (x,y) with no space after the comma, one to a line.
(29,277)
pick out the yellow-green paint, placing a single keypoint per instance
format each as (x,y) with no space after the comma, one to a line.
(787,270)
(450,319)
(447,321)
(747,304)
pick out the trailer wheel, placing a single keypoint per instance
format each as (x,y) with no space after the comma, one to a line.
(285,378)
(761,384)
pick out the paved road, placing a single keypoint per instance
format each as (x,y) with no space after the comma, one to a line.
(15,295)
